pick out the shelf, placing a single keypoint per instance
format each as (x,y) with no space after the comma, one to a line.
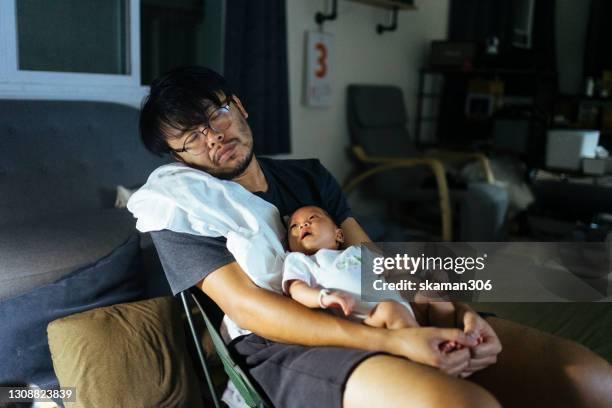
(486,71)
(393,5)
(584,98)
(388,4)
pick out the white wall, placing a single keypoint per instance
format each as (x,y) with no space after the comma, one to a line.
(362,56)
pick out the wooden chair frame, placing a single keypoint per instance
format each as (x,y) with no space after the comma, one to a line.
(434,161)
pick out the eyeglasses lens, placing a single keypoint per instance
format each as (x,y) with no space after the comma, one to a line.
(221,119)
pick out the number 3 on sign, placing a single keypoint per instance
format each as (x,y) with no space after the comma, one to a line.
(319,62)
(320,73)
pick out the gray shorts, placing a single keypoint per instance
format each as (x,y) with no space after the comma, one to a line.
(297,376)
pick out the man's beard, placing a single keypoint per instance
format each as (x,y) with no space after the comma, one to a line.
(235,172)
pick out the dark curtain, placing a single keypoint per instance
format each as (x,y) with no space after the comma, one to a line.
(256,66)
(598,47)
(475,20)
(544,41)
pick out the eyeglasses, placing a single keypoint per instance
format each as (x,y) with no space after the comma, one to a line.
(219,120)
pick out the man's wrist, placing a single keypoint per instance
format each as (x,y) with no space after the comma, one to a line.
(388,341)
(380,340)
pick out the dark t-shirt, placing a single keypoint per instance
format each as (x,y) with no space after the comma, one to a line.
(291,184)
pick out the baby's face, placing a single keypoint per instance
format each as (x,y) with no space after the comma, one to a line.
(311,229)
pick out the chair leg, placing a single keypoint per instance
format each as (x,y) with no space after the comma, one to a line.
(198,347)
(438,170)
(444,197)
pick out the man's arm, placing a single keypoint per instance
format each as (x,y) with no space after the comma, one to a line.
(353,233)
(281,319)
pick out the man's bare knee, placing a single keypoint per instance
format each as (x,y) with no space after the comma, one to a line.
(475,396)
(588,378)
(397,382)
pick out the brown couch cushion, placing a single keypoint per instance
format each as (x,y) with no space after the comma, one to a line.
(127,355)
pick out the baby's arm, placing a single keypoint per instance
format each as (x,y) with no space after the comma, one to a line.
(317,298)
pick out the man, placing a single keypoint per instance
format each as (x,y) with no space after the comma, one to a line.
(300,357)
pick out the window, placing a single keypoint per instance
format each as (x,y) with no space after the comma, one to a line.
(67,49)
(58,36)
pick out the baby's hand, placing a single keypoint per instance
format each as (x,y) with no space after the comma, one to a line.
(340,300)
(450,346)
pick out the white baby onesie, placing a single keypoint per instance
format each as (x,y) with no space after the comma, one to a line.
(332,269)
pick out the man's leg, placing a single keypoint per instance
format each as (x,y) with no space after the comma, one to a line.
(297,376)
(389,381)
(538,369)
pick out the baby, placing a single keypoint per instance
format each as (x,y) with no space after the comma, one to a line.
(318,274)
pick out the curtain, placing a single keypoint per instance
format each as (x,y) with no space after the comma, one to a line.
(256,66)
(475,20)
(598,48)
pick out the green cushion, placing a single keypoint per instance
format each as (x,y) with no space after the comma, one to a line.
(589,324)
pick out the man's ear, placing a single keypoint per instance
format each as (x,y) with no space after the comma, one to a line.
(177,157)
(240,106)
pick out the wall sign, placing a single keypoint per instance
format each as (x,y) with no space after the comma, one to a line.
(319,69)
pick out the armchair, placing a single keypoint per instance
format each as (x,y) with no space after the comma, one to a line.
(381,145)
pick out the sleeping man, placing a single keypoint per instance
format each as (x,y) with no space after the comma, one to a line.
(302,358)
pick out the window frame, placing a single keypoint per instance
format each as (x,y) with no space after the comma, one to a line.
(27,83)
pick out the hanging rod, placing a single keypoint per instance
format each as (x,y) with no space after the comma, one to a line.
(320,17)
(382,28)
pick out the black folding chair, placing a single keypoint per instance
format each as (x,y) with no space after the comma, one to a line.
(236,375)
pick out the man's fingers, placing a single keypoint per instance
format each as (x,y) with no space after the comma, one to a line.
(471,324)
(480,363)
(486,349)
(456,362)
(457,336)
(477,365)
(457,370)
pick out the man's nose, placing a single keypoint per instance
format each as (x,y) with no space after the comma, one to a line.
(213,138)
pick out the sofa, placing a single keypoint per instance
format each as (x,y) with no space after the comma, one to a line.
(68,257)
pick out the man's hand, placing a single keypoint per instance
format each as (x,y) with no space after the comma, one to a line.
(339,299)
(426,345)
(488,345)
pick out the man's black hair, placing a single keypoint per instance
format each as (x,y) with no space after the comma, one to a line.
(180,99)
